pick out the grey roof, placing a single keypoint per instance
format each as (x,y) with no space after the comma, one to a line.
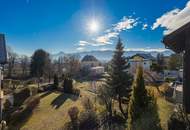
(144,56)
(89,58)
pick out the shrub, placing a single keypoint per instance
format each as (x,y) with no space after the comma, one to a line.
(167,90)
(7,105)
(76,91)
(149,119)
(34,91)
(68,85)
(15,83)
(176,124)
(56,82)
(87,104)
(7,110)
(20,96)
(170,79)
(25,110)
(32,102)
(31,81)
(45,88)
(88,120)
(67,126)
(73,114)
(179,120)
(7,83)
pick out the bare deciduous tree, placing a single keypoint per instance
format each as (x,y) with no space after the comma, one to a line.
(24,65)
(11,61)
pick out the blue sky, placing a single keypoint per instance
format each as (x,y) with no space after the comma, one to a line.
(63,25)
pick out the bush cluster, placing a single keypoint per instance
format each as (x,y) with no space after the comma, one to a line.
(179,120)
(69,88)
(25,110)
(68,85)
(170,79)
(56,82)
(86,120)
(20,96)
(176,124)
(45,88)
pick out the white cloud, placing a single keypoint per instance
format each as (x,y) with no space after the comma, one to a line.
(173,19)
(145,26)
(83,43)
(105,39)
(80,48)
(125,24)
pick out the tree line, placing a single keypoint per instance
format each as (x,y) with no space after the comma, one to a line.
(39,65)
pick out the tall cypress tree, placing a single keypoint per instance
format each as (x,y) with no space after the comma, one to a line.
(139,99)
(119,78)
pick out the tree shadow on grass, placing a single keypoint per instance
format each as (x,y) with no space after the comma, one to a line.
(23,114)
(59,101)
(45,94)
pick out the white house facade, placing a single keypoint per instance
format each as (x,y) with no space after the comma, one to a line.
(144,60)
(92,64)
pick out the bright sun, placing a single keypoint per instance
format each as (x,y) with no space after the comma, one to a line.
(93,26)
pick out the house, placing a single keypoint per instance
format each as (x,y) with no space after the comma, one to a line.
(97,70)
(173,74)
(144,60)
(89,61)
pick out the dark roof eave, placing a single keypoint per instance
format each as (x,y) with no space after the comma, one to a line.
(176,40)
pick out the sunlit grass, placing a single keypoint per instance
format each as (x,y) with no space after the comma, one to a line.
(46,116)
(165,108)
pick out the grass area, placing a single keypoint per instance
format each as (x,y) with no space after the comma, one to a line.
(51,112)
(165,108)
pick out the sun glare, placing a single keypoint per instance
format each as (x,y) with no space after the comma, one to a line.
(93,26)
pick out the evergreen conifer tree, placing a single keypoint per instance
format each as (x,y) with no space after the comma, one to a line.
(139,99)
(119,79)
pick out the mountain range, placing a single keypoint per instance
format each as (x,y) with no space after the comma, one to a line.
(107,54)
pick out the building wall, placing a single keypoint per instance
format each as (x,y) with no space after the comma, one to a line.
(97,70)
(171,74)
(146,64)
(90,64)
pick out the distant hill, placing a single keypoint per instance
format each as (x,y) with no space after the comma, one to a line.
(107,55)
